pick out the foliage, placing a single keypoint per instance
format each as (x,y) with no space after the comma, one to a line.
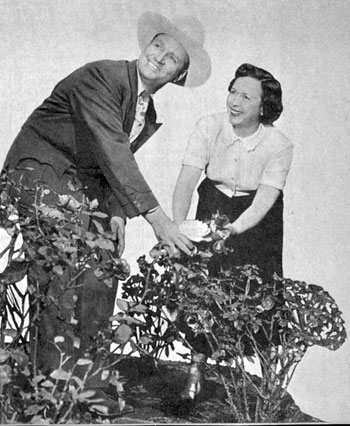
(241,316)
(53,246)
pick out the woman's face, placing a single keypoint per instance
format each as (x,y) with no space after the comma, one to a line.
(244,105)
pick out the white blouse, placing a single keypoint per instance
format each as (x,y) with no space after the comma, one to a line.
(237,164)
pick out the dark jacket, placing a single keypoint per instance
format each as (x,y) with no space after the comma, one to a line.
(85,124)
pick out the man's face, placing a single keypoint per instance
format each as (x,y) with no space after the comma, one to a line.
(162,61)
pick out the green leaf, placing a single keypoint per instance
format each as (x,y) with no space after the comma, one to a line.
(145,340)
(57,269)
(33,409)
(79,382)
(101,409)
(47,384)
(99,215)
(14,272)
(86,395)
(4,355)
(132,320)
(122,334)
(70,249)
(51,212)
(11,332)
(60,374)
(139,308)
(214,356)
(98,272)
(108,282)
(105,244)
(84,361)
(98,225)
(120,316)
(20,357)
(123,305)
(5,374)
(89,235)
(38,379)
(74,393)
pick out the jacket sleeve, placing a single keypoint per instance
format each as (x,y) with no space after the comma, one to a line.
(96,98)
(114,205)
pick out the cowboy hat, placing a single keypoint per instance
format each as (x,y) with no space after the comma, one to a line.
(188,31)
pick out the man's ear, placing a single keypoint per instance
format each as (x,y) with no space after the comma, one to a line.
(180,76)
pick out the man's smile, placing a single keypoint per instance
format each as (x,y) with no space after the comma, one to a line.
(152,65)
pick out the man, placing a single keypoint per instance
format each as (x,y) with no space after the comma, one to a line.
(88,130)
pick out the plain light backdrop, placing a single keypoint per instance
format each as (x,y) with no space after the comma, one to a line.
(304,43)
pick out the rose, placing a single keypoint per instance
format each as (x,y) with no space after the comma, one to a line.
(196,231)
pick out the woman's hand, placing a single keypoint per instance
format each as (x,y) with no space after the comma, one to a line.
(231,228)
(117,224)
(264,199)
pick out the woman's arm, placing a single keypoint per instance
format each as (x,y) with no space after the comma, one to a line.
(186,182)
(263,201)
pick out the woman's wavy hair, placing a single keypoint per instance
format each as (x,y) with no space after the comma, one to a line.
(272,92)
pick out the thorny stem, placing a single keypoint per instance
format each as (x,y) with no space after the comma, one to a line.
(240,364)
(36,332)
(227,388)
(274,383)
(230,399)
(148,276)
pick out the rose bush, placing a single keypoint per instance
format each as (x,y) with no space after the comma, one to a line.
(241,316)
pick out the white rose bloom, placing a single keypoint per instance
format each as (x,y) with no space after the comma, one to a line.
(195,230)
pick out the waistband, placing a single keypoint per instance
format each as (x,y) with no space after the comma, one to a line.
(237,193)
(242,193)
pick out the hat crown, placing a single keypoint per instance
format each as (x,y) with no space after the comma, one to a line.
(188,31)
(191,27)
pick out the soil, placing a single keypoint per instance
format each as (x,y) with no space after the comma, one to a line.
(153,391)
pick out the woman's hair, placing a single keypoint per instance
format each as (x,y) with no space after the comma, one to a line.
(272,93)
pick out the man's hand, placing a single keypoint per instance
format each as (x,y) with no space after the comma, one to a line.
(118,229)
(168,233)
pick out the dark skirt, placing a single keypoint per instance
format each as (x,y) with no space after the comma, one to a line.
(261,245)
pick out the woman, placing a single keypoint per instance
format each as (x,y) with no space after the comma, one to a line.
(246,161)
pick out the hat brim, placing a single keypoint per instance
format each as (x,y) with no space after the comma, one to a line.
(151,24)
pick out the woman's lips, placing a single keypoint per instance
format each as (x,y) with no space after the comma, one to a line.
(235,112)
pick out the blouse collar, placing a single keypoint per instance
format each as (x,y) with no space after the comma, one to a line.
(249,143)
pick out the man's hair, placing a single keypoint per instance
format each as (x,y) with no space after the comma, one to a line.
(271,99)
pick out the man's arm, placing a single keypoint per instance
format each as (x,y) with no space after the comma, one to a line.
(167,232)
(97,99)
